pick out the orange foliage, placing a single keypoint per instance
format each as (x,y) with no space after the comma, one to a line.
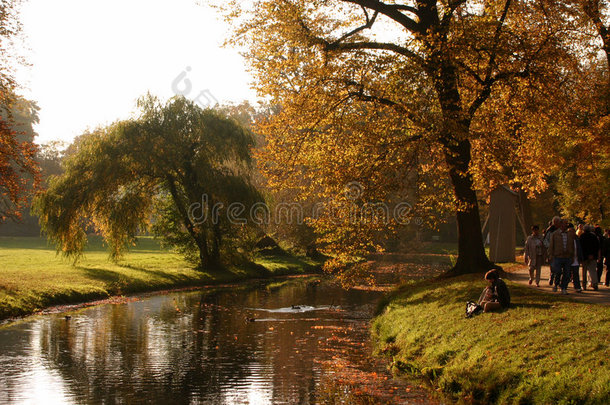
(18,170)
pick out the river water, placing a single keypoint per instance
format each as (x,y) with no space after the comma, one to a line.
(299,340)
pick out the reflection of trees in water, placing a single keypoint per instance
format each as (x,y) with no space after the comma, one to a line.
(197,347)
(123,352)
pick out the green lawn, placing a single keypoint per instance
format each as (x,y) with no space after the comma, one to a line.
(450,249)
(438,248)
(545,349)
(33,277)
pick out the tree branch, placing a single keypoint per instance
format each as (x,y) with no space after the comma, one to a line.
(348,46)
(591,9)
(376,46)
(471,72)
(452,6)
(360,95)
(190,227)
(494,49)
(393,12)
(369,24)
(404,7)
(486,92)
(489,79)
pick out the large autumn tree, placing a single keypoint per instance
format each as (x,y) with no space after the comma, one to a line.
(19,172)
(175,168)
(582,179)
(388,96)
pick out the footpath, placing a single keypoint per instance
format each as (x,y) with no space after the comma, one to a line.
(519,273)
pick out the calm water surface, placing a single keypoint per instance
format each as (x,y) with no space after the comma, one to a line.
(233,345)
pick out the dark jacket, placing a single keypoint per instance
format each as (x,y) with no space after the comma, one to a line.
(606,249)
(590,245)
(579,251)
(602,244)
(501,292)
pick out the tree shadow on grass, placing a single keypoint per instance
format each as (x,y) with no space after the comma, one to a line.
(119,282)
(439,290)
(157,273)
(515,305)
(455,291)
(148,279)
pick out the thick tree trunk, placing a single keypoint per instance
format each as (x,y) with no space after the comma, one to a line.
(471,251)
(457,150)
(204,255)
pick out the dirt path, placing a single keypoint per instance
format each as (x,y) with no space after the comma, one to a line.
(391,269)
(520,274)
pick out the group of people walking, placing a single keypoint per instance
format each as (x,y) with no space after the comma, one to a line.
(567,250)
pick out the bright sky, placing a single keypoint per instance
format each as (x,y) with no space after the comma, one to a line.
(92,59)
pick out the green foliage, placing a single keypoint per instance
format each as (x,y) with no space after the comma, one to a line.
(544,349)
(152,169)
(168,224)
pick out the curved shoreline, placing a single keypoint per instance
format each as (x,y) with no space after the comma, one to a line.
(496,358)
(36,280)
(137,296)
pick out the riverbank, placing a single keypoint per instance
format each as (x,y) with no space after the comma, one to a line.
(33,277)
(544,349)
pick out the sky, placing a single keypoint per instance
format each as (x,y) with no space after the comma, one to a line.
(91,60)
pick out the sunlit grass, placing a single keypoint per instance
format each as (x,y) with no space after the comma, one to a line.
(33,276)
(544,349)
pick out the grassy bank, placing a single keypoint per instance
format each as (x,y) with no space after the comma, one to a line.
(33,277)
(545,349)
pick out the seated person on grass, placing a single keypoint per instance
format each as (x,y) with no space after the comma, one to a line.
(496,296)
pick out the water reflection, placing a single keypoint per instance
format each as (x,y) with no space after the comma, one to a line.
(299,342)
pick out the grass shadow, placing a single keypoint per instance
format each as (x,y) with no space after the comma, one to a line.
(117,282)
(530,305)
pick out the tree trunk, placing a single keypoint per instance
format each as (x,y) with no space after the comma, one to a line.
(526,211)
(198,235)
(204,256)
(471,251)
(457,150)
(216,241)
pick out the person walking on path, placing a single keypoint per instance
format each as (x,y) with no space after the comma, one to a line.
(577,260)
(547,241)
(600,257)
(534,254)
(590,253)
(606,256)
(561,253)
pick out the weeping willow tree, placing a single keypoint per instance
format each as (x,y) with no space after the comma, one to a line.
(174,169)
